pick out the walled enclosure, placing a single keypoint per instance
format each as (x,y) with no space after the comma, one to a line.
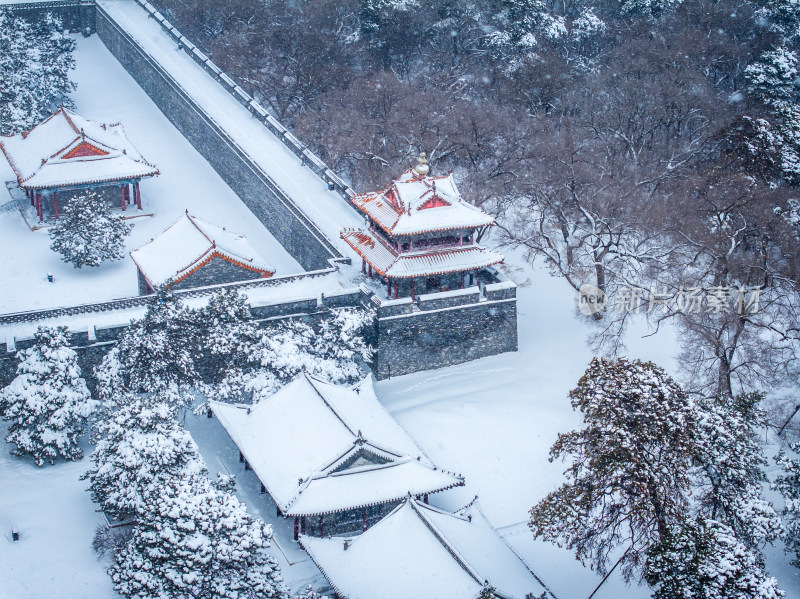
(436,330)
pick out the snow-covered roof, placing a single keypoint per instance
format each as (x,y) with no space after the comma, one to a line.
(304,444)
(189,243)
(415,204)
(67,149)
(420,551)
(423,263)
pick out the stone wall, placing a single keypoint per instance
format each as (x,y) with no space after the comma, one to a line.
(299,236)
(217,271)
(78,16)
(444,329)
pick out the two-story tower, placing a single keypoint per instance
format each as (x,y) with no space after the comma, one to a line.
(422,237)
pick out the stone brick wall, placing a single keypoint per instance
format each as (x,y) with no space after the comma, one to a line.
(409,338)
(78,16)
(217,271)
(271,206)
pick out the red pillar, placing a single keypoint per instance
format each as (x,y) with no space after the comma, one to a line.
(412,290)
(363,265)
(302,525)
(137,195)
(55,203)
(369,270)
(39,206)
(462,280)
(296,527)
(365,519)
(388,288)
(122,191)
(396,289)
(30,195)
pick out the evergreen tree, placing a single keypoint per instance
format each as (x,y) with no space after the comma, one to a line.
(703,558)
(197,541)
(48,403)
(630,475)
(87,234)
(143,450)
(788,484)
(651,8)
(519,22)
(731,461)
(35,61)
(227,331)
(156,354)
(333,351)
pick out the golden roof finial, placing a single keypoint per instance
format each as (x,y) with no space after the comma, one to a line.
(422,167)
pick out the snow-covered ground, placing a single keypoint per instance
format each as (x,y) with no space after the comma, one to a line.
(106,93)
(493,420)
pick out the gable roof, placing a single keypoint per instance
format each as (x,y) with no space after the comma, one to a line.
(67,149)
(421,551)
(415,204)
(189,243)
(296,441)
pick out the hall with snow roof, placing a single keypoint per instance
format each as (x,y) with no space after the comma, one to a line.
(330,456)
(67,154)
(193,252)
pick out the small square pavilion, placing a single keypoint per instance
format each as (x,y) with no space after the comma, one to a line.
(67,154)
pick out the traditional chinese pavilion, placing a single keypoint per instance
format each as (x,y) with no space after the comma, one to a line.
(331,457)
(67,154)
(422,236)
(192,252)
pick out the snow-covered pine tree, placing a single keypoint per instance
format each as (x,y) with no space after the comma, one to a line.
(143,449)
(35,61)
(156,354)
(519,22)
(788,484)
(308,593)
(650,8)
(227,331)
(333,351)
(48,403)
(630,475)
(197,541)
(87,233)
(731,462)
(703,558)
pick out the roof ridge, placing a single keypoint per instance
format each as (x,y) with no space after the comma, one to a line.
(440,536)
(70,122)
(341,418)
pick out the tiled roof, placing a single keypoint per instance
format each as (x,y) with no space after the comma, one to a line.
(413,204)
(189,243)
(423,263)
(421,551)
(298,440)
(67,149)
